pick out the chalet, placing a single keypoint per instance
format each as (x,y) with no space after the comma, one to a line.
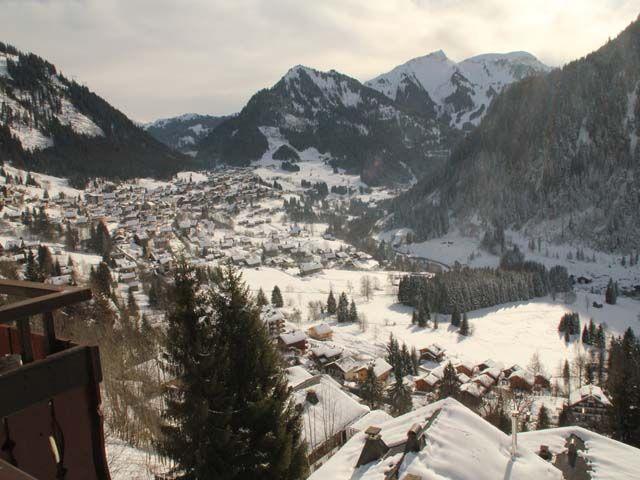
(253,261)
(484,380)
(294,340)
(381,370)
(321,331)
(296,375)
(541,382)
(344,369)
(273,320)
(521,380)
(589,405)
(324,354)
(309,268)
(464,367)
(433,352)
(320,398)
(427,383)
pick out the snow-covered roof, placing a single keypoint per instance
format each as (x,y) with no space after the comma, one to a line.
(589,391)
(381,366)
(333,412)
(607,458)
(459,445)
(296,375)
(294,336)
(523,374)
(322,329)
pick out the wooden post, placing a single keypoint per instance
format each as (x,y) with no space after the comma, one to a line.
(49,330)
(24,333)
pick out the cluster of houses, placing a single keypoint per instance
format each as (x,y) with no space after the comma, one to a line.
(225,215)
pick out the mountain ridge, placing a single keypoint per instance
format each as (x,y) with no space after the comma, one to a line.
(556,154)
(460,92)
(54,125)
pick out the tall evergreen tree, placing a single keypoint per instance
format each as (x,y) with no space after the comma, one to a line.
(261,299)
(276,297)
(232,416)
(31,272)
(353,312)
(342,311)
(464,325)
(371,390)
(400,397)
(455,318)
(449,386)
(331,303)
(543,418)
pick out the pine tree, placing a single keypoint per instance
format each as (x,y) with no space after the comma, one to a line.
(353,312)
(342,312)
(101,279)
(45,262)
(455,318)
(566,375)
(400,397)
(464,325)
(232,417)
(423,314)
(261,299)
(449,386)
(371,390)
(415,361)
(71,239)
(331,303)
(586,339)
(611,293)
(276,297)
(132,304)
(31,269)
(543,418)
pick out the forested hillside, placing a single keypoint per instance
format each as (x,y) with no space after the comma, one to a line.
(556,153)
(51,124)
(183,133)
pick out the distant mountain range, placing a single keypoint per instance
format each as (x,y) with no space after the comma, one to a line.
(52,124)
(183,133)
(556,154)
(459,92)
(356,128)
(396,127)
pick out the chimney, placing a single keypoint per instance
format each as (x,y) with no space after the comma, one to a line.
(545,453)
(374,447)
(572,453)
(415,439)
(312,397)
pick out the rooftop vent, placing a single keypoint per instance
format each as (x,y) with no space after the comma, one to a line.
(312,397)
(374,447)
(545,453)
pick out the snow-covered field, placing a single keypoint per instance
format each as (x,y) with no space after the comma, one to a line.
(509,333)
(456,247)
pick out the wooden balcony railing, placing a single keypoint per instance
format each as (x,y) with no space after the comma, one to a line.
(50,419)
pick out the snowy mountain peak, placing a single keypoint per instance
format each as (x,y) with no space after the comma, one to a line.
(461,91)
(437,55)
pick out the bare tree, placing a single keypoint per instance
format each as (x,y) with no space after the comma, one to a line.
(314,311)
(364,323)
(366,287)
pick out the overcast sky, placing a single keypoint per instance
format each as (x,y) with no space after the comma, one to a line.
(159,58)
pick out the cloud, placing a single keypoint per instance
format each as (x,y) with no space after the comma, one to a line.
(154,58)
